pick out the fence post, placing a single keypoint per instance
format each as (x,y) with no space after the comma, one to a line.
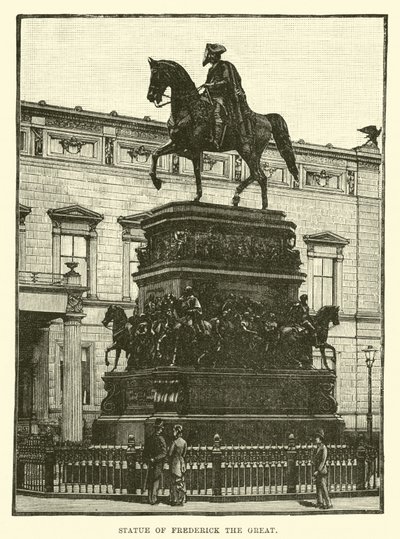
(361,461)
(216,466)
(49,460)
(291,465)
(131,464)
(20,471)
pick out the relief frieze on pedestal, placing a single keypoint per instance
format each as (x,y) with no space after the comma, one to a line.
(267,254)
(187,391)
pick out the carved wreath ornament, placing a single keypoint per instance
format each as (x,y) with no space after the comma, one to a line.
(72,145)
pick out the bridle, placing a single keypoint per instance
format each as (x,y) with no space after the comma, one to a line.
(159,106)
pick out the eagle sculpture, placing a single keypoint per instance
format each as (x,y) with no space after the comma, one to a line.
(372,133)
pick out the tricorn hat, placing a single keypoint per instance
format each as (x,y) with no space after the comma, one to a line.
(320,433)
(158,423)
(213,48)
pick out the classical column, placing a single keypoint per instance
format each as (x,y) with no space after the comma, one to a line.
(72,420)
(92,273)
(34,378)
(42,378)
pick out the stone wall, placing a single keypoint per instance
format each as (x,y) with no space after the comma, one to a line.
(50,181)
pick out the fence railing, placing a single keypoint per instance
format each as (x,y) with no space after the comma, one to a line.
(214,471)
(40,278)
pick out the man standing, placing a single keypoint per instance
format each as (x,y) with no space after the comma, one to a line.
(154,453)
(321,472)
(177,467)
(225,87)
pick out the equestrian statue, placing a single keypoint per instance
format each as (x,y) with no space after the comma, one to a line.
(216,119)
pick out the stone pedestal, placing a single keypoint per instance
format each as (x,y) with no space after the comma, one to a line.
(240,406)
(216,248)
(226,378)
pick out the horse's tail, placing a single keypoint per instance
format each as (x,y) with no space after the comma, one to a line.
(281,135)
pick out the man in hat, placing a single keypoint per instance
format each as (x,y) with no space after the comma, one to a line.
(321,472)
(225,87)
(300,315)
(191,311)
(154,453)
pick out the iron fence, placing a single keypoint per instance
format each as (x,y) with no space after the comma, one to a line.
(211,471)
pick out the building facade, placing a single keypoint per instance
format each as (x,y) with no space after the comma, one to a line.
(83,181)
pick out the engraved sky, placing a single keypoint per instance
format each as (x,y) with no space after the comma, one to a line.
(324,75)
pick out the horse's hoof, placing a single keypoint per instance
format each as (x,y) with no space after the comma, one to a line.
(236,200)
(197,198)
(156,181)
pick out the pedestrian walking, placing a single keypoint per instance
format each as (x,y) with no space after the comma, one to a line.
(177,467)
(154,453)
(321,472)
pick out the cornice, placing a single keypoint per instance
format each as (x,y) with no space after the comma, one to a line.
(128,126)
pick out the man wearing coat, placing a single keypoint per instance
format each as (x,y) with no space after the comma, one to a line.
(154,453)
(225,87)
(321,472)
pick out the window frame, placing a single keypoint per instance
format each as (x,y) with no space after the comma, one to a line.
(58,378)
(325,245)
(77,221)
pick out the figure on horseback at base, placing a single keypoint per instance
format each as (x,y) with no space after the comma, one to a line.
(299,315)
(191,311)
(224,85)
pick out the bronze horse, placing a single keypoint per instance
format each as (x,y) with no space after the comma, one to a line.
(190,126)
(121,335)
(292,339)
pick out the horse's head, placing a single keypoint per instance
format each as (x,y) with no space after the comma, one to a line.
(159,81)
(335,316)
(114,312)
(328,313)
(109,316)
(166,73)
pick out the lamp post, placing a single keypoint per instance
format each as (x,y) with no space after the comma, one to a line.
(370,353)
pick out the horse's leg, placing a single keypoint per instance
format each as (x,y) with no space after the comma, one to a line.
(197,175)
(264,193)
(108,350)
(117,354)
(329,347)
(241,187)
(167,148)
(253,162)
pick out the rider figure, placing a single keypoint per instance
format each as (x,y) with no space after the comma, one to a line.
(300,315)
(225,87)
(192,311)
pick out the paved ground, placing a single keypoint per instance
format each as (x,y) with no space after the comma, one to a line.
(39,505)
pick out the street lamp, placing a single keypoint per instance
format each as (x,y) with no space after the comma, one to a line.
(370,353)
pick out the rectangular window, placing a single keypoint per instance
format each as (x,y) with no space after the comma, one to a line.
(22,141)
(86,374)
(323,282)
(74,249)
(133,267)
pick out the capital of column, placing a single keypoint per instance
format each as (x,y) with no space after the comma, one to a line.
(71,318)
